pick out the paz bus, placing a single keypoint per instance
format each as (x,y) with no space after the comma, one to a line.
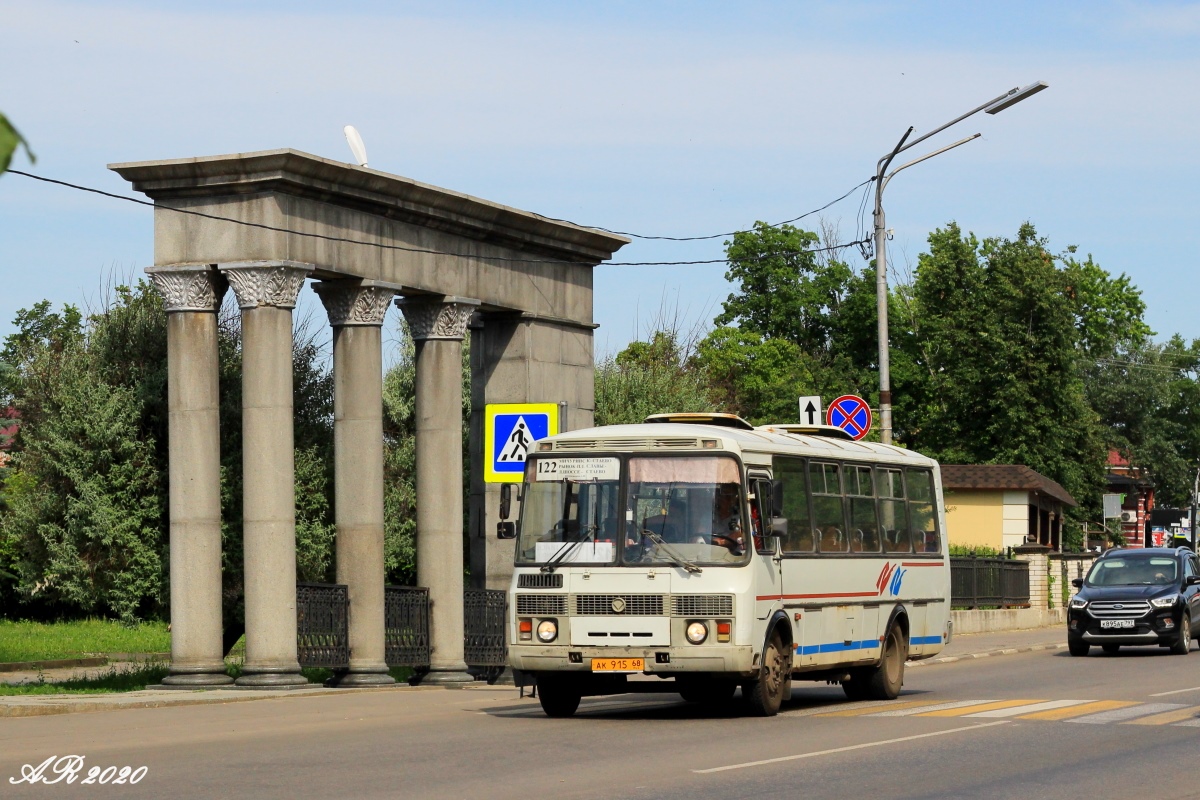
(696,553)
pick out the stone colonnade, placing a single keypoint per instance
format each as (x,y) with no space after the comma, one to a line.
(266,293)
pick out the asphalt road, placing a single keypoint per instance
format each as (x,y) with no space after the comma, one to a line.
(1033,725)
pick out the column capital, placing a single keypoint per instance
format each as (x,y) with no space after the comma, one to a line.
(354,302)
(266,283)
(437,317)
(190,287)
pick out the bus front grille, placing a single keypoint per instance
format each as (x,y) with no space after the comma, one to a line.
(541,604)
(702,605)
(637,605)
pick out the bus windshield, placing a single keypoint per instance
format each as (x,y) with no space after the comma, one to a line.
(684,509)
(679,511)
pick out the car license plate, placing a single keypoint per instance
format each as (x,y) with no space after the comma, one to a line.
(1116,623)
(618,664)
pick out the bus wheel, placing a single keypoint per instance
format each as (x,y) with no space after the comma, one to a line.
(884,681)
(559,698)
(856,686)
(765,695)
(705,690)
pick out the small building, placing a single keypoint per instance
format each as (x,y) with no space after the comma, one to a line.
(1002,505)
(1137,499)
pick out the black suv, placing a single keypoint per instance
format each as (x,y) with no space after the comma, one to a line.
(1136,596)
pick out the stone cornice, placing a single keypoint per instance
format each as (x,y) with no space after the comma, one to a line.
(266,283)
(354,303)
(192,287)
(441,318)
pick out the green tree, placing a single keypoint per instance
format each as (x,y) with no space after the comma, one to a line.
(1001,335)
(650,377)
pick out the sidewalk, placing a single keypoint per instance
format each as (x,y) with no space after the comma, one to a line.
(986,645)
(980,645)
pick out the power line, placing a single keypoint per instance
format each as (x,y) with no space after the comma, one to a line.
(712,235)
(424,251)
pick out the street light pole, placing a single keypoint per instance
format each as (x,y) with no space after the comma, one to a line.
(882,176)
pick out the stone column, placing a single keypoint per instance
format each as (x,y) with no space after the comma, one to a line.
(356,311)
(266,293)
(438,326)
(192,296)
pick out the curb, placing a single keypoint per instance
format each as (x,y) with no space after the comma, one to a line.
(1007,651)
(53,705)
(61,663)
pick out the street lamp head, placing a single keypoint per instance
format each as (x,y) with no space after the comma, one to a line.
(1016,96)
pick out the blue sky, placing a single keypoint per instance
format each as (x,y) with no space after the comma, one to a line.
(665,118)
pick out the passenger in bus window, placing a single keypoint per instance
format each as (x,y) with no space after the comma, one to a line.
(897,541)
(832,540)
(727,519)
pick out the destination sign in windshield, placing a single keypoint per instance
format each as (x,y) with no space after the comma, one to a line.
(577,469)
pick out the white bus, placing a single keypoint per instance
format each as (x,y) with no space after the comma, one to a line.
(701,549)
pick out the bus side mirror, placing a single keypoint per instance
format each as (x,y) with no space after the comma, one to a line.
(506,530)
(505,501)
(779,526)
(1077,583)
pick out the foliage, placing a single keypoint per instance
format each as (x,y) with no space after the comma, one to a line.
(650,377)
(974,551)
(10,140)
(114,679)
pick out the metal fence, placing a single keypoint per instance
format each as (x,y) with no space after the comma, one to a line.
(483,620)
(322,626)
(988,583)
(322,616)
(406,626)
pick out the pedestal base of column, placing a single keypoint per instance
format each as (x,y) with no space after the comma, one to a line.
(271,680)
(355,678)
(195,680)
(451,679)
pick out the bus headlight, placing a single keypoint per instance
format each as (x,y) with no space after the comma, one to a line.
(547,631)
(697,632)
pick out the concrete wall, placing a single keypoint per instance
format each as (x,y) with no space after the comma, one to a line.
(1008,619)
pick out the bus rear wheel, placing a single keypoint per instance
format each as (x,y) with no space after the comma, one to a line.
(882,682)
(559,697)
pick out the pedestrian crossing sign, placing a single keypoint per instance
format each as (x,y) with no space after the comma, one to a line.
(510,429)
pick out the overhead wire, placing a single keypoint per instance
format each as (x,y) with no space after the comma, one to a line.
(426,251)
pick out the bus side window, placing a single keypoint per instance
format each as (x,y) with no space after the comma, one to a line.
(922,519)
(790,472)
(829,519)
(893,512)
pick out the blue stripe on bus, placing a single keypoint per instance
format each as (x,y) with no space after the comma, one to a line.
(864,644)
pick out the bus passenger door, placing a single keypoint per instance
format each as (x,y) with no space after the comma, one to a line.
(768,582)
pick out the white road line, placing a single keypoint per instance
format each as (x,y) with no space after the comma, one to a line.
(1029,709)
(1129,712)
(849,748)
(1177,691)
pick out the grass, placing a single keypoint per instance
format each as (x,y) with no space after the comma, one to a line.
(40,641)
(111,680)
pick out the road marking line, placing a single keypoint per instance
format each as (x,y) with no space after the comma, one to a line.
(908,712)
(979,707)
(850,748)
(1012,712)
(1177,691)
(1191,723)
(1121,714)
(1078,711)
(1191,713)
(857,712)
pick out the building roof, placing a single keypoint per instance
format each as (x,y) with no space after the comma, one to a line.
(1003,476)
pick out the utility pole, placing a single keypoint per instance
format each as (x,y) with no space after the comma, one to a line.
(882,176)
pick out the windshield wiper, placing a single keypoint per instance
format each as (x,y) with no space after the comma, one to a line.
(567,549)
(671,554)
